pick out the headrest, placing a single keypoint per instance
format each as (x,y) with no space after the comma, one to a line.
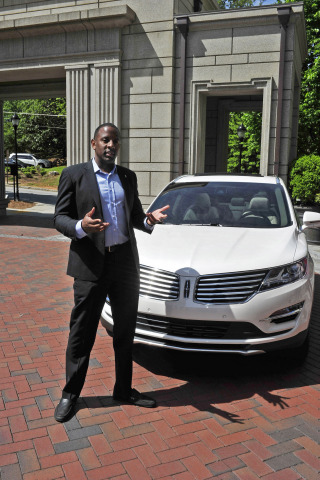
(259,203)
(237,201)
(261,193)
(202,201)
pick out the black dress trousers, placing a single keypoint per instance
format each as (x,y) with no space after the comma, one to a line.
(120,282)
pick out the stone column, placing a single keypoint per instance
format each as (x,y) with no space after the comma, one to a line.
(105,94)
(78,114)
(3,200)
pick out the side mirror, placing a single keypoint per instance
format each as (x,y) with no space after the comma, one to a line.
(311,220)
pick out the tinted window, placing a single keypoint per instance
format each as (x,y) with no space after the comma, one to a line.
(234,204)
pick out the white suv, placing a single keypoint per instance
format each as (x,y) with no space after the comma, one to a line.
(27,159)
(228,270)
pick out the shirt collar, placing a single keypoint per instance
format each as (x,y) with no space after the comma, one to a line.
(96,169)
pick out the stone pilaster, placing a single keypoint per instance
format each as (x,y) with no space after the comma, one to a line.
(93,98)
(78,114)
(105,94)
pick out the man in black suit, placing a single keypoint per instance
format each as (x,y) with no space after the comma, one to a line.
(97,208)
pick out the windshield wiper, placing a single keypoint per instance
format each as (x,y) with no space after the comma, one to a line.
(202,224)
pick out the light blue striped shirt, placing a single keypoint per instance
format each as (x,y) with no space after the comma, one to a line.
(113,207)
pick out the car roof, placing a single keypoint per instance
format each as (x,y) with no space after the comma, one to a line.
(198,177)
(13,154)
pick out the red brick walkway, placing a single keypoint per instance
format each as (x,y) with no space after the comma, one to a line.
(219,417)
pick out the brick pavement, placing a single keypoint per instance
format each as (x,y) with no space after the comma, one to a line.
(218,417)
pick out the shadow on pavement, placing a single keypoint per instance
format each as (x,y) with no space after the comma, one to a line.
(220,378)
(26,219)
(37,197)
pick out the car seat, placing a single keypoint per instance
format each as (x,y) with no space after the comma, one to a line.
(201,211)
(259,213)
(237,207)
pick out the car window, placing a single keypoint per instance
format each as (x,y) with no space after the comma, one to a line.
(21,156)
(234,204)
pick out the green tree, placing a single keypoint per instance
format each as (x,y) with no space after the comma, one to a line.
(250,155)
(230,4)
(42,127)
(305,178)
(309,114)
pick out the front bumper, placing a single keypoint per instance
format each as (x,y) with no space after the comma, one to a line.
(253,320)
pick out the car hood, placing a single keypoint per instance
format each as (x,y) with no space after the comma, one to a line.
(201,250)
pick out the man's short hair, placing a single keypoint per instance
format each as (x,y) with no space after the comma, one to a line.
(106,125)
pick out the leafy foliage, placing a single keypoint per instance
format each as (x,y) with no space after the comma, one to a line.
(309,109)
(309,121)
(38,133)
(250,157)
(305,178)
(230,4)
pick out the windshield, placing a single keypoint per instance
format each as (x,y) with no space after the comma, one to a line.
(233,204)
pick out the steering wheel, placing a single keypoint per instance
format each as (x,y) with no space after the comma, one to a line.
(254,214)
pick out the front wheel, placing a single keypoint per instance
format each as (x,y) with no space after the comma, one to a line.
(299,354)
(296,356)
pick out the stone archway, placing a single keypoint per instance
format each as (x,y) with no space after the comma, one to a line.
(255,95)
(68,54)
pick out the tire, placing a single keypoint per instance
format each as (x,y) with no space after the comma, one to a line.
(299,354)
(295,356)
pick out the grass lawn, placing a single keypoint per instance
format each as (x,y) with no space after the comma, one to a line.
(40,181)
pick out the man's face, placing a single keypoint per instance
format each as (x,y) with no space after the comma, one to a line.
(106,146)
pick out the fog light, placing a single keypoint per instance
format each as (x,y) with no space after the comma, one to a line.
(286,314)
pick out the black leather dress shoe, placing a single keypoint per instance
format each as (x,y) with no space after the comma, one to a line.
(137,398)
(65,409)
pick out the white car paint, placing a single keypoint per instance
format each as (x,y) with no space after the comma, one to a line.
(225,249)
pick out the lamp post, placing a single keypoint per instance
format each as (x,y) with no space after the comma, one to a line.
(241,131)
(15,123)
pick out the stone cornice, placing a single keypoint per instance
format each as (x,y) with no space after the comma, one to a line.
(97,18)
(240,17)
(249,17)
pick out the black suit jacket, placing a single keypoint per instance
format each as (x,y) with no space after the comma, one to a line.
(78,192)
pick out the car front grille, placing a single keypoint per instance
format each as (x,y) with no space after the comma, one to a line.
(158,284)
(210,330)
(228,288)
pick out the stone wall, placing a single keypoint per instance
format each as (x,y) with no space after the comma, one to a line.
(119,61)
(237,55)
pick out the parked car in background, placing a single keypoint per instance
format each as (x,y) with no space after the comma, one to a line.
(228,271)
(27,159)
(12,161)
(44,163)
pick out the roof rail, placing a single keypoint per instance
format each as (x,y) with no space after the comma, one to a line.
(228,174)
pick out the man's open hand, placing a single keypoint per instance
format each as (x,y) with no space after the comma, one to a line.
(93,225)
(157,216)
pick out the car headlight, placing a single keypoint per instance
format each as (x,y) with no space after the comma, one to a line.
(282,275)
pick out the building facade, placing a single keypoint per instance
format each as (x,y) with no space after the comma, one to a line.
(167,72)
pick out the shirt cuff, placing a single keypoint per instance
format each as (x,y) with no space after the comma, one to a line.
(80,233)
(148,227)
